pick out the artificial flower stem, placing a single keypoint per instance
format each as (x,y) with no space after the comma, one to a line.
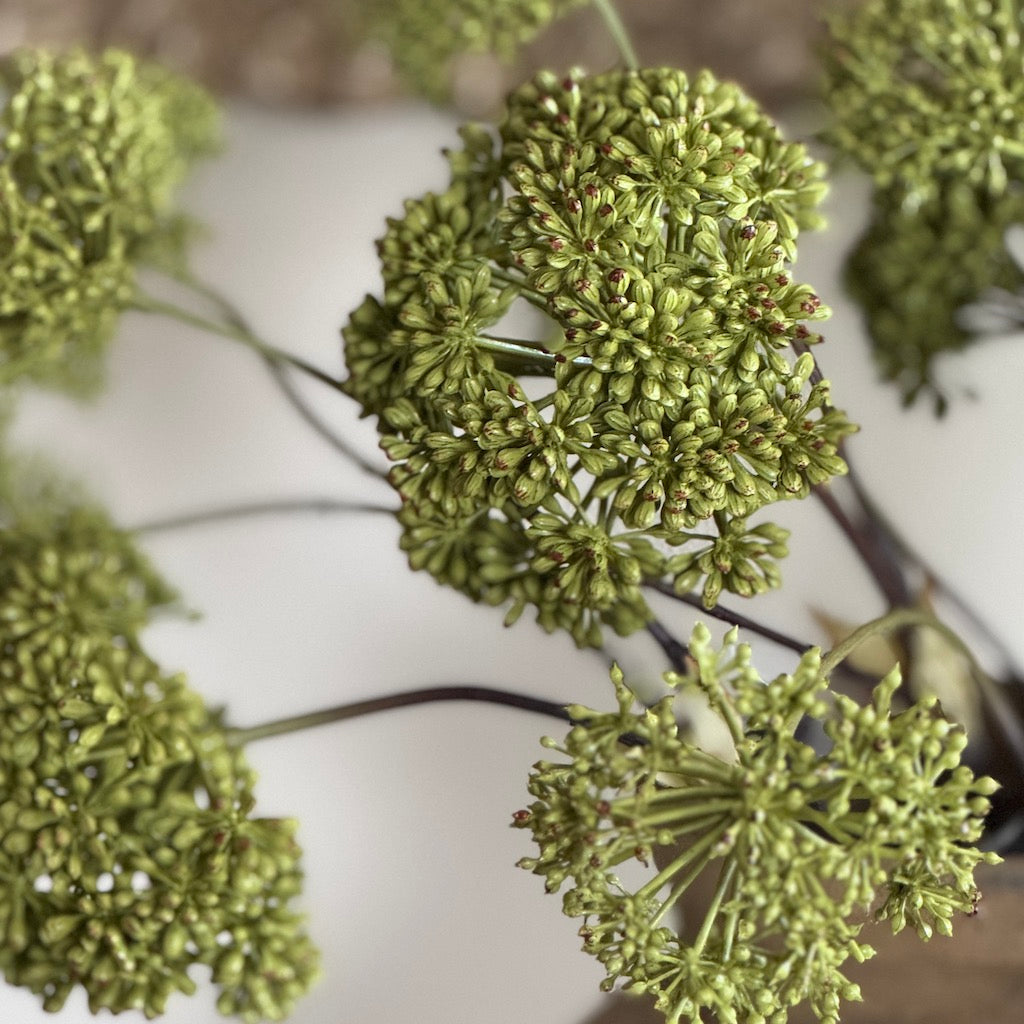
(722,889)
(232,314)
(688,856)
(147,304)
(280,373)
(732,617)
(885,527)
(234,318)
(892,621)
(357,709)
(1002,713)
(317,506)
(674,649)
(710,809)
(686,795)
(882,570)
(677,891)
(540,358)
(617,30)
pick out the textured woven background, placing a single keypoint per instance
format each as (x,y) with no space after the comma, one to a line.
(304,51)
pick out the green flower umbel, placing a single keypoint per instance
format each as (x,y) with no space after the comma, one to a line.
(128,849)
(90,151)
(799,846)
(663,395)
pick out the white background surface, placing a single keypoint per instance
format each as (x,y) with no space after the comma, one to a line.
(411,888)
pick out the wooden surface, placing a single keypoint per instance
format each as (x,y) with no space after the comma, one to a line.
(975,977)
(306,51)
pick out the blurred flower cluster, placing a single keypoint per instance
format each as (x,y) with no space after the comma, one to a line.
(928,98)
(128,849)
(90,150)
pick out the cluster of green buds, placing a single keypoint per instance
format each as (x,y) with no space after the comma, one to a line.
(928,98)
(799,845)
(90,150)
(642,225)
(128,849)
(424,38)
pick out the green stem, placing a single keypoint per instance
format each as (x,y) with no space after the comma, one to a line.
(517,349)
(729,933)
(148,304)
(617,30)
(356,709)
(680,887)
(891,622)
(686,795)
(712,810)
(990,690)
(691,853)
(260,508)
(724,883)
(234,318)
(836,832)
(518,281)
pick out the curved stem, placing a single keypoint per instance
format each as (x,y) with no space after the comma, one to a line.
(891,622)
(616,29)
(1002,712)
(356,709)
(231,313)
(280,375)
(259,508)
(277,360)
(148,304)
(233,316)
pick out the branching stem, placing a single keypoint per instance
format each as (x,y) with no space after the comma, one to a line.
(148,304)
(700,852)
(892,621)
(234,318)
